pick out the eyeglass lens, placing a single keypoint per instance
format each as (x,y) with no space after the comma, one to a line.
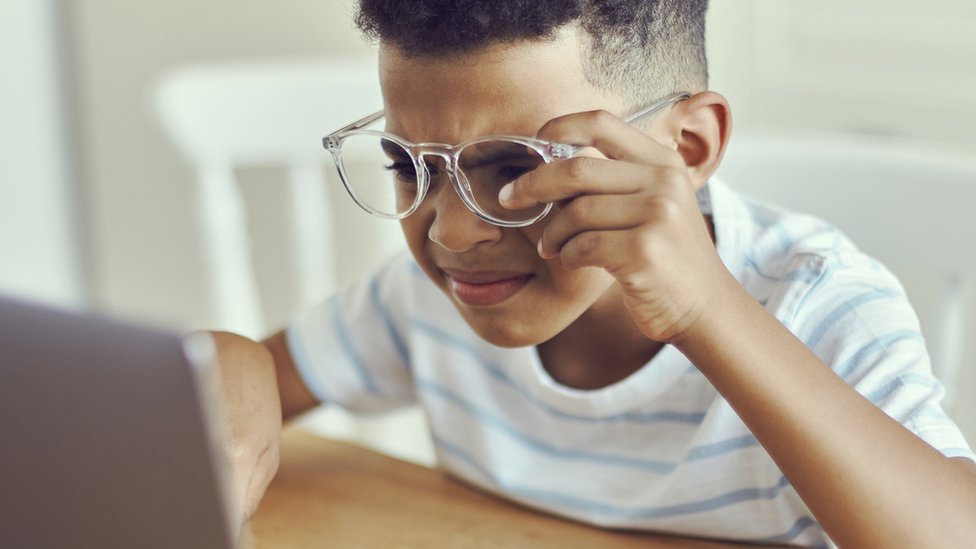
(382,175)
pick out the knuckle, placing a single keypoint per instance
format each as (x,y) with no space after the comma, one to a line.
(601,118)
(578,211)
(663,208)
(578,168)
(675,178)
(633,283)
(548,128)
(647,244)
(582,248)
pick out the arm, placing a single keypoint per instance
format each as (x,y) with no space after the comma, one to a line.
(295,396)
(868,480)
(260,386)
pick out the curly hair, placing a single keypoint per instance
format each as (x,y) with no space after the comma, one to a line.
(640,49)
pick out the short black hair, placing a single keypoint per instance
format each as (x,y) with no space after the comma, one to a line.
(641,49)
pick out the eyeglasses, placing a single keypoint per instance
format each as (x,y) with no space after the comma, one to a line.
(389,176)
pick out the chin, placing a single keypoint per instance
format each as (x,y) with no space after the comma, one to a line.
(504,331)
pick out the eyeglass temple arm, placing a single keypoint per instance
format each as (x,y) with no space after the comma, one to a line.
(664,103)
(657,107)
(361,123)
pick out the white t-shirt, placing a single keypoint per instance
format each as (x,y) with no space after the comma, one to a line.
(660,450)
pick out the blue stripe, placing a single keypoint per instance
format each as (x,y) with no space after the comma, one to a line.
(822,276)
(929,411)
(847,307)
(401,348)
(803,275)
(546,497)
(893,385)
(799,275)
(800,526)
(690,418)
(297,348)
(658,467)
(726,446)
(698,453)
(785,240)
(346,344)
(751,262)
(845,368)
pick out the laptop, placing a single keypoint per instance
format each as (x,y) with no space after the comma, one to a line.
(108,435)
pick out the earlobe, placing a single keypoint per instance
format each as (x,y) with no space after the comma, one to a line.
(704,128)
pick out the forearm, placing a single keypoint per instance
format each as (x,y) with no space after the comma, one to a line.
(868,480)
(294,394)
(250,390)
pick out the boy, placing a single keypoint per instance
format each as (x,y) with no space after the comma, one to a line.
(628,358)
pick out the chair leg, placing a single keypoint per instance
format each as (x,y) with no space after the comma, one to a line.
(236,304)
(312,227)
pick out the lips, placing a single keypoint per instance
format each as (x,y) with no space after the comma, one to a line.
(485,288)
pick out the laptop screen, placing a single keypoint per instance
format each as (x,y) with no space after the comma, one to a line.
(107,437)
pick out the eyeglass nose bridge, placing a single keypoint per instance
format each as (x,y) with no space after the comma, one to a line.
(449,154)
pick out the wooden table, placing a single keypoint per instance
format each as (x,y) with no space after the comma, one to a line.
(334,494)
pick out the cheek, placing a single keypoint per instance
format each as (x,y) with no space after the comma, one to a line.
(581,287)
(533,233)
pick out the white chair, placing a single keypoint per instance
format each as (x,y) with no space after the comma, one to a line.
(274,113)
(909,205)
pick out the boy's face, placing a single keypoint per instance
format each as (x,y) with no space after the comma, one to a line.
(495,276)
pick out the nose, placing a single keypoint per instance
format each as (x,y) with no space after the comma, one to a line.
(455,227)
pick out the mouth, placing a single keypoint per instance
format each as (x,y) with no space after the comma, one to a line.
(485,288)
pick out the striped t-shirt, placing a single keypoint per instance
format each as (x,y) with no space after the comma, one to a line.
(660,450)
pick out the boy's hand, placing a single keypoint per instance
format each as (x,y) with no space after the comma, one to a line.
(252,411)
(633,213)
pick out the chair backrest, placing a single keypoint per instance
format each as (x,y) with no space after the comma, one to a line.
(270,113)
(907,204)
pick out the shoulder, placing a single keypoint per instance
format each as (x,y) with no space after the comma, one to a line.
(808,274)
(795,263)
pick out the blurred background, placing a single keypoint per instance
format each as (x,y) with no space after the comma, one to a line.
(136,136)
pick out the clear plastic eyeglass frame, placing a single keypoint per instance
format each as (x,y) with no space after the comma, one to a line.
(547,150)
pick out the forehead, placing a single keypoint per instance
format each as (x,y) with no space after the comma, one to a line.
(508,89)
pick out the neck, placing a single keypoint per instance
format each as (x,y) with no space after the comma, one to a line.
(601,347)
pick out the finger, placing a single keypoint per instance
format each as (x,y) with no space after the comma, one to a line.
(603,249)
(625,254)
(610,135)
(577,176)
(590,213)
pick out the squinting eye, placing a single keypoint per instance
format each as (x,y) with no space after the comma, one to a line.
(404,170)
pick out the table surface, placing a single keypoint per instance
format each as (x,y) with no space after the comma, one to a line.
(333,494)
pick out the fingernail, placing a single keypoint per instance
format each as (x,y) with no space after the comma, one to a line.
(539,247)
(505,195)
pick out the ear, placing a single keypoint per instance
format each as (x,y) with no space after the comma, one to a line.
(701,130)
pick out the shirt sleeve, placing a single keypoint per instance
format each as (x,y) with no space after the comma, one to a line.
(854,314)
(350,350)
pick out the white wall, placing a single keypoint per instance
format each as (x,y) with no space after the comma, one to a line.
(146,245)
(40,241)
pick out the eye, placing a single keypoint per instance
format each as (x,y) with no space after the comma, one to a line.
(405,171)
